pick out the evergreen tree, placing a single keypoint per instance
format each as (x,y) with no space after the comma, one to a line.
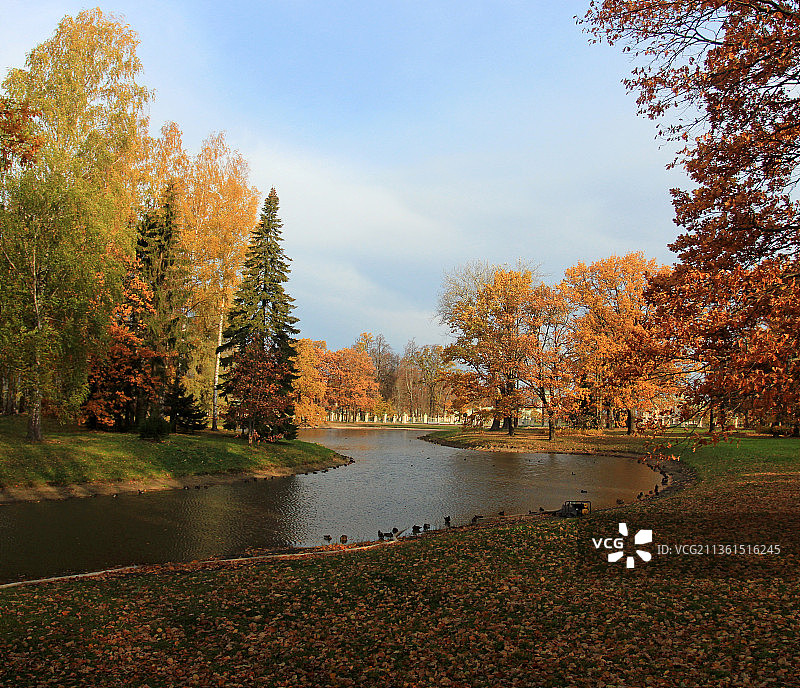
(183,410)
(164,269)
(261,333)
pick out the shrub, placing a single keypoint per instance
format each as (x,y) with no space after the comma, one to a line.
(154,428)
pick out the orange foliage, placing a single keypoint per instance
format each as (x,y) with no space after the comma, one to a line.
(614,349)
(512,339)
(351,384)
(310,386)
(730,306)
(123,373)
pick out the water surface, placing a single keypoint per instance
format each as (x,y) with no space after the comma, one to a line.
(396,481)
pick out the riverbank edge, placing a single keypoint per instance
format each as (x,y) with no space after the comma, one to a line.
(96,488)
(680,475)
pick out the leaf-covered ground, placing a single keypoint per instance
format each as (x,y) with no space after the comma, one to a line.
(515,604)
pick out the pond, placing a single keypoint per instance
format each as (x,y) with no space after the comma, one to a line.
(397,481)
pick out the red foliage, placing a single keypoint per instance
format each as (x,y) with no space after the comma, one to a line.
(123,372)
(257,399)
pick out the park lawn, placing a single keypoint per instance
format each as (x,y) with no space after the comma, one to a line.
(516,604)
(71,454)
(535,440)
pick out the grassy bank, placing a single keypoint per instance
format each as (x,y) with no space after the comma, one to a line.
(535,440)
(72,454)
(513,604)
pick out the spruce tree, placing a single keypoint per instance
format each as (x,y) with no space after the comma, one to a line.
(164,269)
(261,334)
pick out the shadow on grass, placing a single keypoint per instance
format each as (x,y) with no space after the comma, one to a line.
(70,454)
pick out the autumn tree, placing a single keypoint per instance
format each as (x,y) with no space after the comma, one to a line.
(121,373)
(65,218)
(18,147)
(722,78)
(260,337)
(611,340)
(222,207)
(92,119)
(350,381)
(551,373)
(495,334)
(408,379)
(386,363)
(310,386)
(434,370)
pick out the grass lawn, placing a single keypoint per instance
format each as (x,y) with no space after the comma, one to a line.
(535,440)
(72,454)
(515,604)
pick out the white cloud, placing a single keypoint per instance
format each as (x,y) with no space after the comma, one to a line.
(340,302)
(337,209)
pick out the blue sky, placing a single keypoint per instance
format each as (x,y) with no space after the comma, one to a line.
(404,138)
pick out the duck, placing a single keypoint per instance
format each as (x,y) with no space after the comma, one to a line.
(327,538)
(426,526)
(343,539)
(415,529)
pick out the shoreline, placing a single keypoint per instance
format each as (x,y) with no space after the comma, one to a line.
(679,474)
(46,492)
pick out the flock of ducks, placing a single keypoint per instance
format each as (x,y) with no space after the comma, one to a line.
(394,533)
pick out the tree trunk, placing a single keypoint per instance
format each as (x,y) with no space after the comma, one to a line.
(508,424)
(35,413)
(214,401)
(551,427)
(9,394)
(711,425)
(630,421)
(495,423)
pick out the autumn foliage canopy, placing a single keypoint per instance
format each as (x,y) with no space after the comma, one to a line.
(722,79)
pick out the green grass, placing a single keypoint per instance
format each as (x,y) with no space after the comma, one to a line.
(742,454)
(71,454)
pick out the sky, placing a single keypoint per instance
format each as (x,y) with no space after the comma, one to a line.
(404,138)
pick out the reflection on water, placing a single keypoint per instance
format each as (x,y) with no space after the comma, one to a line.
(396,481)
